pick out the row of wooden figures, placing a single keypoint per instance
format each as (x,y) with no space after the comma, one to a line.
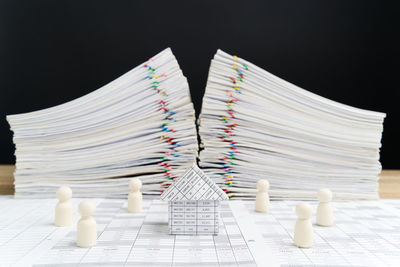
(303,232)
(86,227)
(87,230)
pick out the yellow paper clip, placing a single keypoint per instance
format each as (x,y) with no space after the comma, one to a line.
(236,58)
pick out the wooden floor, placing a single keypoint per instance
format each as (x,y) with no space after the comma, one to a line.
(389,183)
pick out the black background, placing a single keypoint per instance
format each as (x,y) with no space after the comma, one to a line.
(54,51)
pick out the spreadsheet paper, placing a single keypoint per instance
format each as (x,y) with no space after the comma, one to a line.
(364,234)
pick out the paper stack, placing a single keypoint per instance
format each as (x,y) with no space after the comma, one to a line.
(255,125)
(141,124)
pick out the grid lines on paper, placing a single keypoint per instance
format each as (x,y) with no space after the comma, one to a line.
(193,185)
(129,239)
(194,217)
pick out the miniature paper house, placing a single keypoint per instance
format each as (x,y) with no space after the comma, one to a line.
(193,207)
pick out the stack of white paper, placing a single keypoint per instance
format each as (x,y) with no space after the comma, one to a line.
(141,124)
(254,125)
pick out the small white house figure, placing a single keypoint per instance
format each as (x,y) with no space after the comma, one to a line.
(193,207)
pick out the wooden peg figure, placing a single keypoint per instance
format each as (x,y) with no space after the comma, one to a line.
(324,210)
(303,232)
(87,228)
(135,196)
(262,196)
(64,210)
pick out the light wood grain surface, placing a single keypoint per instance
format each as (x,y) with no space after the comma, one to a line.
(6,179)
(389,183)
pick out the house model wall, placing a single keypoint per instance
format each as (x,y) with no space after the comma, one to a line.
(193,207)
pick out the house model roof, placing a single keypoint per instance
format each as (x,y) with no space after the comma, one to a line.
(194,185)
